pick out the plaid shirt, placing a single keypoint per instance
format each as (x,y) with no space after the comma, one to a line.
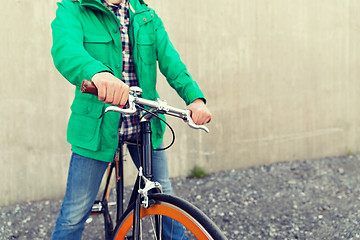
(128,123)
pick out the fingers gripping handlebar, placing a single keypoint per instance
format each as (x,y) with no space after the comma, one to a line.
(158,105)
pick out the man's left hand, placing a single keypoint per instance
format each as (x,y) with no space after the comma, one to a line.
(200,114)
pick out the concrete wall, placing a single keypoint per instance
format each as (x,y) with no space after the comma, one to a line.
(281,78)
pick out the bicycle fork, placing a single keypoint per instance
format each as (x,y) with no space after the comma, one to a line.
(142,200)
(144,182)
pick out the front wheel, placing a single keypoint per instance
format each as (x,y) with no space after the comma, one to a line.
(180,220)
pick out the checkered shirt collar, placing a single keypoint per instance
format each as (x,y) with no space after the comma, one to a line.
(115,5)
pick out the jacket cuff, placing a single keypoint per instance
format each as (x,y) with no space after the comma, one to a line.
(193,96)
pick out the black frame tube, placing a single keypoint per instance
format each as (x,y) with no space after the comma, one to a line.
(147,149)
(119,172)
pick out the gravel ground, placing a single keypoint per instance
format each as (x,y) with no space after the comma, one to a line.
(305,199)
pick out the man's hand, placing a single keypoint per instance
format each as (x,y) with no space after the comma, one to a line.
(111,89)
(200,114)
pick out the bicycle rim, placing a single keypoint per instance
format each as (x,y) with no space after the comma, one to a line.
(193,223)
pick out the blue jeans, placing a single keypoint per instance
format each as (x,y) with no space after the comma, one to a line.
(84,179)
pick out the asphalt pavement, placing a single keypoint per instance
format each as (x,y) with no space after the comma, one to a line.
(304,199)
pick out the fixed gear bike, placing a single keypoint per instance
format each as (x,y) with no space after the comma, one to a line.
(148,207)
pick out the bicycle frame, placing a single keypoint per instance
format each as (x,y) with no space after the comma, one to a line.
(143,185)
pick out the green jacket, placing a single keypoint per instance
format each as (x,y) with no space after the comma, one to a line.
(86,41)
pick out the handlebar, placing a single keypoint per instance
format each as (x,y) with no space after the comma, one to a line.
(134,99)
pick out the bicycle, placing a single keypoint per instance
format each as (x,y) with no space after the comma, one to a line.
(147,205)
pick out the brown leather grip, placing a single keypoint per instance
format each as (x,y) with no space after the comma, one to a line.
(88,87)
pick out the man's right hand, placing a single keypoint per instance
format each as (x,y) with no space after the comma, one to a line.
(111,90)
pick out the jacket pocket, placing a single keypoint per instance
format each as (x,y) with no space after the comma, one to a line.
(98,45)
(84,124)
(146,47)
(96,38)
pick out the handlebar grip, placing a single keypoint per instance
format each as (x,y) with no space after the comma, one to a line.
(88,87)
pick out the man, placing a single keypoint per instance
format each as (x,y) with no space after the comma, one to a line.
(116,44)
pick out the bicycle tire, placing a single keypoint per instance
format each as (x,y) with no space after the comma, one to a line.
(178,209)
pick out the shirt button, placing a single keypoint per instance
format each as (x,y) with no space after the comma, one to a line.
(117,65)
(114,135)
(144,19)
(115,31)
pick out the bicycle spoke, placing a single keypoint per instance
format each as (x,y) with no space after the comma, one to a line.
(172,228)
(153,228)
(141,230)
(182,237)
